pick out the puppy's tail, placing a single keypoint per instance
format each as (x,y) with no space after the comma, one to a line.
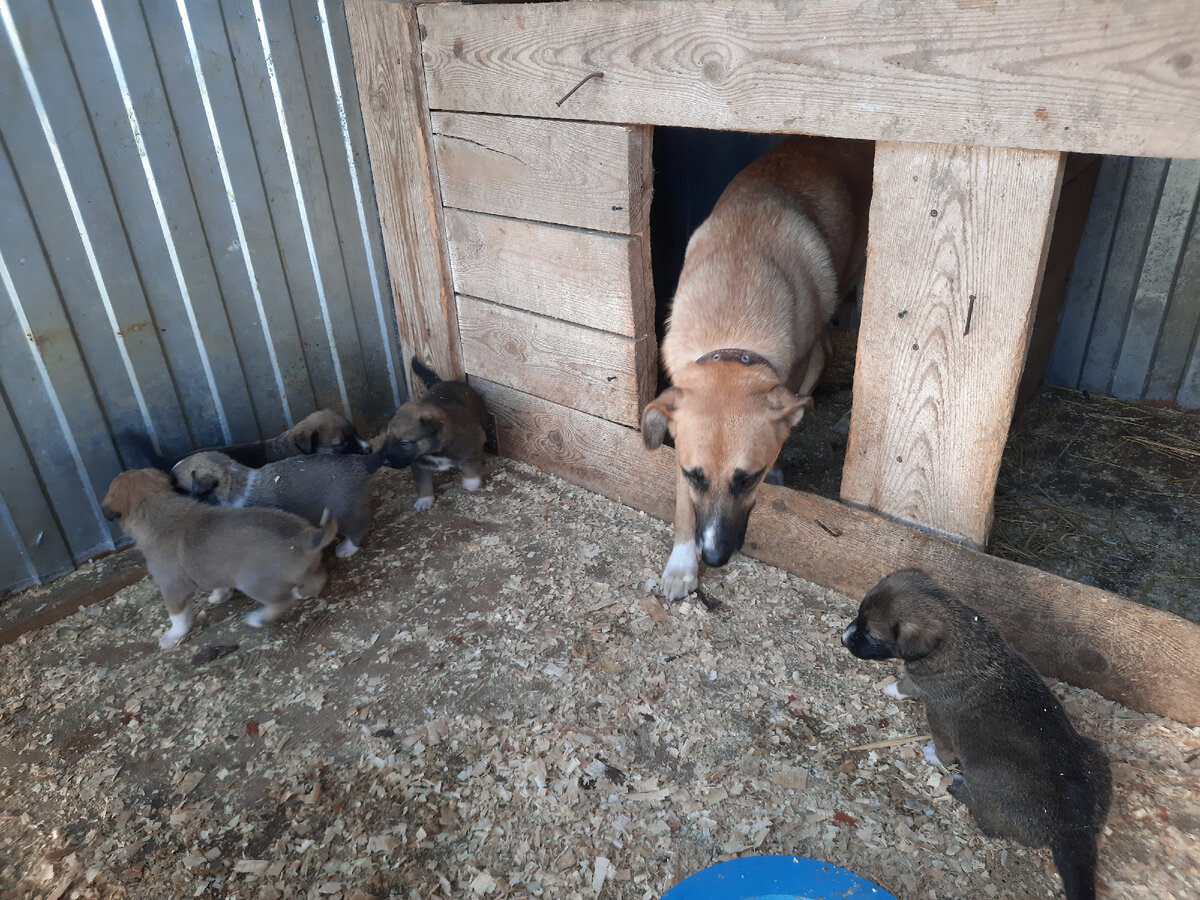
(425,373)
(328,531)
(1074,853)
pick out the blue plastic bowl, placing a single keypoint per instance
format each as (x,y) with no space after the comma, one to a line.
(775,878)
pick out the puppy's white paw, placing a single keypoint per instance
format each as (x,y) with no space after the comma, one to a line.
(471,484)
(346,549)
(423,503)
(681,576)
(893,690)
(929,751)
(220,595)
(255,618)
(181,624)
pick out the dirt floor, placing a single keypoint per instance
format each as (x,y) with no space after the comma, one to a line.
(1094,489)
(491,702)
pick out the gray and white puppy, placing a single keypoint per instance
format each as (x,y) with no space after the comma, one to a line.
(1027,774)
(304,485)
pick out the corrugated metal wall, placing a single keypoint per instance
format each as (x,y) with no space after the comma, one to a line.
(189,247)
(1130,326)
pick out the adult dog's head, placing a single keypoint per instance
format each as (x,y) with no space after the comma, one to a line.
(905,616)
(729,421)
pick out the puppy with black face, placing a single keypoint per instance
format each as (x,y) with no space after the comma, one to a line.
(445,429)
(1027,775)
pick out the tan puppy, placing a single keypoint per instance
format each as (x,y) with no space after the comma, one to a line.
(309,486)
(270,555)
(1027,774)
(445,429)
(747,340)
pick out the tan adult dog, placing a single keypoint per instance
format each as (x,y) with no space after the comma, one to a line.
(270,555)
(747,338)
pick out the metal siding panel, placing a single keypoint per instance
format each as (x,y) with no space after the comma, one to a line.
(294,202)
(1087,275)
(1176,201)
(136,135)
(77,219)
(34,545)
(48,387)
(237,217)
(1181,332)
(343,150)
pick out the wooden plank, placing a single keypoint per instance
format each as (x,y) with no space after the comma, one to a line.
(391,88)
(599,455)
(1101,77)
(1073,205)
(593,371)
(958,237)
(569,173)
(587,277)
(1156,281)
(1140,656)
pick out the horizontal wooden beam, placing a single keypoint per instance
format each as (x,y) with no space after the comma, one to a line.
(587,277)
(570,173)
(1100,76)
(1137,655)
(600,373)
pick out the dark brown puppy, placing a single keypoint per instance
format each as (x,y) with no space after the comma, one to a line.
(323,431)
(445,429)
(270,555)
(1027,774)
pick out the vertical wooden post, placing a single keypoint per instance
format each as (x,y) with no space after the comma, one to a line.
(391,85)
(958,241)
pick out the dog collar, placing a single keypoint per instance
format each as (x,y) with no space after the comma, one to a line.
(732,354)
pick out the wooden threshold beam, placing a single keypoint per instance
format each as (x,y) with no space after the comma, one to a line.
(1137,655)
(1095,76)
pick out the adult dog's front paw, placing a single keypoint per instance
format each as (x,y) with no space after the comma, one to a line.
(423,503)
(681,576)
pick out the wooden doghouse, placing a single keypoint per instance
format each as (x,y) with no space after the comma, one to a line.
(511,152)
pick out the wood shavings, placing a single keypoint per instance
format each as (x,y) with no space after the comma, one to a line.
(583,740)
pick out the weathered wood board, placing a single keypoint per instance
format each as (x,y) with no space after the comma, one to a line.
(958,237)
(391,85)
(594,371)
(587,277)
(1098,76)
(1140,656)
(570,173)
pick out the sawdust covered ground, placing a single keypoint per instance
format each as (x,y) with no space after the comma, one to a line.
(491,703)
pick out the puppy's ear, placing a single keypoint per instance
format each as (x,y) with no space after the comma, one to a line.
(916,640)
(432,420)
(657,417)
(788,408)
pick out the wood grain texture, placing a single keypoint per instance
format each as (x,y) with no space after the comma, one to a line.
(1103,77)
(1142,657)
(932,399)
(587,277)
(391,88)
(588,370)
(570,173)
